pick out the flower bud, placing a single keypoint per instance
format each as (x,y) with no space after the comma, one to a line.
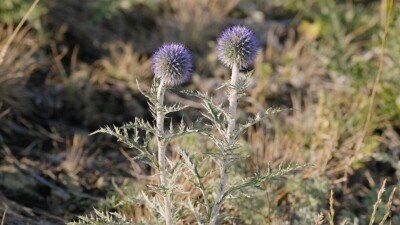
(237,44)
(172,64)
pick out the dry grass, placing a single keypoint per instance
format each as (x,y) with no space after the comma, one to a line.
(18,67)
(15,32)
(388,207)
(52,94)
(331,210)
(377,203)
(122,68)
(3,219)
(320,219)
(371,109)
(75,157)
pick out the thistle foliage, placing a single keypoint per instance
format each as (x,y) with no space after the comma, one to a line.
(170,69)
(138,133)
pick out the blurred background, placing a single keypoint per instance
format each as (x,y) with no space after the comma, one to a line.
(73,68)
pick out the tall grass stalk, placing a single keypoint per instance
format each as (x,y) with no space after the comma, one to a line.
(388,20)
(378,201)
(331,210)
(388,205)
(11,38)
(3,220)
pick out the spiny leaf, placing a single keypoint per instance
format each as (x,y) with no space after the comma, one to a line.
(140,124)
(132,142)
(218,114)
(183,129)
(242,84)
(257,118)
(173,108)
(254,181)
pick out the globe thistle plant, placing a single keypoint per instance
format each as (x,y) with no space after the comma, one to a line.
(236,48)
(172,65)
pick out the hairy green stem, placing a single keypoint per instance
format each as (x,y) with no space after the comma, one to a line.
(230,131)
(161,154)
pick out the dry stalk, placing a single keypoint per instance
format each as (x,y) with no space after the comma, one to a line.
(9,41)
(4,216)
(331,210)
(374,88)
(388,205)
(378,200)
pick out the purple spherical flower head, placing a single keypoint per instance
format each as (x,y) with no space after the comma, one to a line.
(172,64)
(237,44)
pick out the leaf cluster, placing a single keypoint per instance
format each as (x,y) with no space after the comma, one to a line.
(219,118)
(138,133)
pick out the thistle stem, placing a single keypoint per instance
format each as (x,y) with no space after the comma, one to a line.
(233,101)
(231,128)
(161,153)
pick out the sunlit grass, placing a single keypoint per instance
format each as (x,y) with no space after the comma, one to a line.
(323,65)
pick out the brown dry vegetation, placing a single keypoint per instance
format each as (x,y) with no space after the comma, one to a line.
(73,68)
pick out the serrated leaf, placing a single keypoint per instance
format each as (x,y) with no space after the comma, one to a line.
(254,181)
(257,118)
(140,124)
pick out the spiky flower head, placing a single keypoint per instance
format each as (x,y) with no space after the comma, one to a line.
(172,64)
(237,44)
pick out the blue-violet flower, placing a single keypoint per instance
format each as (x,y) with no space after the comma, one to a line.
(172,64)
(237,44)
